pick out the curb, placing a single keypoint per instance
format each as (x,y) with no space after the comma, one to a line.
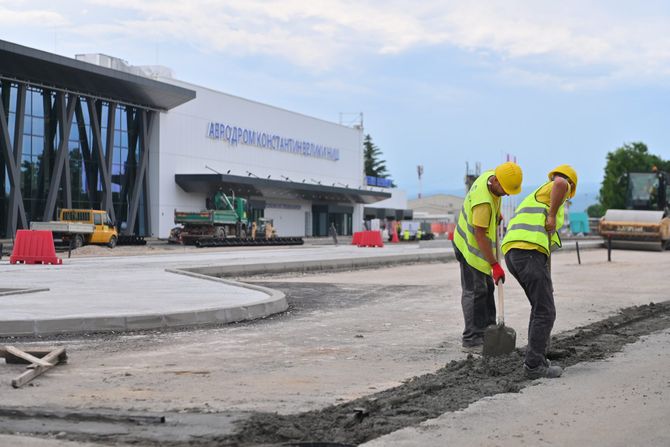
(274,303)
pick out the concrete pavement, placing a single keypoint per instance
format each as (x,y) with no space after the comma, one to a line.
(172,289)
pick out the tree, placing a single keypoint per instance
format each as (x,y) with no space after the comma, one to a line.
(374,165)
(595,210)
(631,157)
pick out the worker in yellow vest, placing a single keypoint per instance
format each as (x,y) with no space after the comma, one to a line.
(475,242)
(531,236)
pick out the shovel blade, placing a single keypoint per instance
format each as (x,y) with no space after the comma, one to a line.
(498,340)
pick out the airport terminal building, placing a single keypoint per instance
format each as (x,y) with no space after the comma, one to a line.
(94,132)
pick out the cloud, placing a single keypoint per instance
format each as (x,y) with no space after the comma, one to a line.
(542,41)
(30,17)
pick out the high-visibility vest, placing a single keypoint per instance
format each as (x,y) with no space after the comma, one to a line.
(464,236)
(527,225)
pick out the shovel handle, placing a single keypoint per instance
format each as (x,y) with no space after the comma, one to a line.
(549,255)
(499,288)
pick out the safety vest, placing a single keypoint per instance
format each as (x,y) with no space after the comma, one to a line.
(464,237)
(527,225)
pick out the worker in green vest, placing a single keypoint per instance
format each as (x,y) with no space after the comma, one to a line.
(531,236)
(475,241)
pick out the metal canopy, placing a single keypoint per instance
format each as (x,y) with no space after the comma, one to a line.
(388,213)
(39,68)
(259,187)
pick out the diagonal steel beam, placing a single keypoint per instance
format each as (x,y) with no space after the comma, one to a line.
(45,165)
(102,164)
(130,167)
(16,211)
(61,155)
(145,123)
(89,164)
(66,181)
(109,152)
(10,162)
(147,202)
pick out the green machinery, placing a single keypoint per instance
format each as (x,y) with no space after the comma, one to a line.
(225,222)
(228,218)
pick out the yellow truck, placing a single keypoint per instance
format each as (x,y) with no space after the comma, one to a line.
(79,227)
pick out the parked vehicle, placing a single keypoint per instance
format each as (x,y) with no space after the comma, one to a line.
(225,222)
(79,227)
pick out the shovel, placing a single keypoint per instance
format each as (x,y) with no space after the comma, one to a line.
(498,338)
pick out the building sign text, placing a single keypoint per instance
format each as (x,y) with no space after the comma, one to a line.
(235,135)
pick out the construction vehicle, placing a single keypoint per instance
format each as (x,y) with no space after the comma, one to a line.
(225,223)
(645,223)
(79,227)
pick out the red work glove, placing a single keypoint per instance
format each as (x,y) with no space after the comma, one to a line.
(498,273)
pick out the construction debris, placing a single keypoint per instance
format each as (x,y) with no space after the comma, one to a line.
(39,361)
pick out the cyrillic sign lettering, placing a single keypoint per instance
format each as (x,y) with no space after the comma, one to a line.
(235,135)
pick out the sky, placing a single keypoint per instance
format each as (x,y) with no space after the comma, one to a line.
(437,83)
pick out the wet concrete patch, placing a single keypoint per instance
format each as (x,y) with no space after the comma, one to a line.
(451,388)
(307,297)
(108,426)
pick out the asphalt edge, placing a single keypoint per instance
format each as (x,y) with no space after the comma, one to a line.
(328,265)
(24,291)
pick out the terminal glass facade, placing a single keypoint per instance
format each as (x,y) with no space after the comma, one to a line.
(41,139)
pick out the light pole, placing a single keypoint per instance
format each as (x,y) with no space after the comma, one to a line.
(419,171)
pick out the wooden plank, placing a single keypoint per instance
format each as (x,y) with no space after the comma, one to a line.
(25,356)
(39,369)
(35,351)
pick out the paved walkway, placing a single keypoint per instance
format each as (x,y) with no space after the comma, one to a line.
(122,293)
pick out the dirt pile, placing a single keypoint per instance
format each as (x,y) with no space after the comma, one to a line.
(451,388)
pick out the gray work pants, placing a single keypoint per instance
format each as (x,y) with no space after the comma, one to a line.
(477,300)
(530,268)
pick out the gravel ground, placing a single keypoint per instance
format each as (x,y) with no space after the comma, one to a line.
(347,336)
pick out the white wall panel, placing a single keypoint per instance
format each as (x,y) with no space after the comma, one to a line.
(185,148)
(288,222)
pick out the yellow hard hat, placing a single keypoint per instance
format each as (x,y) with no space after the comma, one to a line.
(510,177)
(567,171)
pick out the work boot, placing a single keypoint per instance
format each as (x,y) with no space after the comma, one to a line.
(474,350)
(550,371)
(473,346)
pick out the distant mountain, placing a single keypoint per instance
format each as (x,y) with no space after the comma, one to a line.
(587,194)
